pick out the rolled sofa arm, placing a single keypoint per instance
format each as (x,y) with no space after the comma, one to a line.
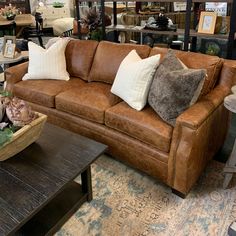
(198,113)
(199,133)
(14,74)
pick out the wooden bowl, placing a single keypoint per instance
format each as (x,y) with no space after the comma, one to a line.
(23,138)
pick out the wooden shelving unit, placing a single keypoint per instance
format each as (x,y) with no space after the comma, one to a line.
(136,29)
(192,33)
(187,32)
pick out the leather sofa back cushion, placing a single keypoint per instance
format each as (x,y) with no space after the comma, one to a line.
(79,57)
(193,60)
(108,58)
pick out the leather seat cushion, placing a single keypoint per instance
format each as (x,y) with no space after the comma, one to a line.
(89,102)
(144,125)
(43,92)
(193,60)
(108,57)
(79,57)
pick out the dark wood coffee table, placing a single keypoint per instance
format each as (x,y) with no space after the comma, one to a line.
(37,188)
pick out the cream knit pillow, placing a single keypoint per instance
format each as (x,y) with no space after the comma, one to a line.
(47,64)
(134,78)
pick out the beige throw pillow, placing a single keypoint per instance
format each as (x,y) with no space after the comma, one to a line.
(133,79)
(47,64)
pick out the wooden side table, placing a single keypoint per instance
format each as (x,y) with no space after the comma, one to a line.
(18,57)
(230,167)
(4,62)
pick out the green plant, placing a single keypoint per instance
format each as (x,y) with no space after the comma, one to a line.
(5,94)
(58,4)
(5,136)
(213,49)
(9,11)
(93,22)
(96,34)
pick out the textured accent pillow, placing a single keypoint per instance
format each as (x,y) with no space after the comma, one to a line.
(47,64)
(174,88)
(133,79)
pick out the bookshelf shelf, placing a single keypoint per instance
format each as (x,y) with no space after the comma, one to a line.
(192,33)
(130,1)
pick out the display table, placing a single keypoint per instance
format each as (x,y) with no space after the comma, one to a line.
(21,21)
(230,167)
(18,57)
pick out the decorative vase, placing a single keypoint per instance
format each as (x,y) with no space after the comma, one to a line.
(11,17)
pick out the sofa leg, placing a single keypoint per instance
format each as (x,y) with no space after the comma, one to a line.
(179,194)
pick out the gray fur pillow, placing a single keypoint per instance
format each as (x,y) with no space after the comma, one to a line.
(174,88)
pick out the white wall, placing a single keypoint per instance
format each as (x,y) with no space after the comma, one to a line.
(33,4)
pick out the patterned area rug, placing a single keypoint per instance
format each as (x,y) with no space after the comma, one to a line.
(129,203)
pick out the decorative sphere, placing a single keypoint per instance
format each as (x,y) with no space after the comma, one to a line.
(41,4)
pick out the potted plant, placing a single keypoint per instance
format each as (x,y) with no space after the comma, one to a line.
(58,4)
(213,49)
(9,12)
(93,22)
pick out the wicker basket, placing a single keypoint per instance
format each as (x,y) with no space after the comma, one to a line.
(23,138)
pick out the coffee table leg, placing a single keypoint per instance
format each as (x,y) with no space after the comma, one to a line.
(87,183)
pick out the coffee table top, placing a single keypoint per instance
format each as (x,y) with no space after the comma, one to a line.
(33,177)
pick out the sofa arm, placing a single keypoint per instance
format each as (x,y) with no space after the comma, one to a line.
(197,114)
(14,74)
(199,133)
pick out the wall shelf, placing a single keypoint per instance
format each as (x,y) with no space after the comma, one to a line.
(192,33)
(145,31)
(228,1)
(187,32)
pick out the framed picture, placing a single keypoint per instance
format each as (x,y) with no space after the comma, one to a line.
(180,6)
(7,40)
(9,50)
(222,25)
(207,22)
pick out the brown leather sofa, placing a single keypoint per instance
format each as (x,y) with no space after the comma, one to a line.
(85,105)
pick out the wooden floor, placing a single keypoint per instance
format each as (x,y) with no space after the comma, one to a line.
(224,153)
